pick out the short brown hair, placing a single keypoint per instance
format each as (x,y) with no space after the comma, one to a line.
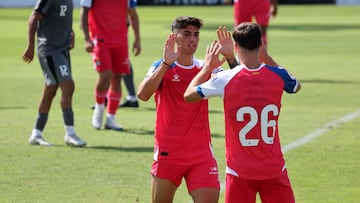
(184,21)
(247,35)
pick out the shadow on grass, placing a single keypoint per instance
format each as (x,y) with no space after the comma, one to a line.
(151,132)
(315,27)
(216,135)
(210,110)
(101,147)
(149,108)
(323,81)
(215,111)
(12,107)
(120,148)
(295,27)
(138,131)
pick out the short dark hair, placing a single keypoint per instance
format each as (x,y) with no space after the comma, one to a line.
(184,21)
(247,35)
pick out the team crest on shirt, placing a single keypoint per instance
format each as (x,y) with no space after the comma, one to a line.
(176,78)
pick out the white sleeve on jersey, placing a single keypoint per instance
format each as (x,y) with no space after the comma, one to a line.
(86,3)
(215,86)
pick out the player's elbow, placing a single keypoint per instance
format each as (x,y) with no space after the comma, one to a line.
(192,97)
(190,100)
(142,96)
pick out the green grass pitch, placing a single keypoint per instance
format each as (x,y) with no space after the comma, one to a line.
(318,44)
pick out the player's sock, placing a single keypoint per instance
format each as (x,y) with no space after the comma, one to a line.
(41,120)
(129,81)
(70,130)
(131,98)
(113,101)
(68,116)
(36,132)
(100,97)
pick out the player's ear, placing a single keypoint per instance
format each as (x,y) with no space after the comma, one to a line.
(236,47)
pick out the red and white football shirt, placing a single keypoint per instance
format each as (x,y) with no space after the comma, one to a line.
(182,133)
(252,101)
(108,21)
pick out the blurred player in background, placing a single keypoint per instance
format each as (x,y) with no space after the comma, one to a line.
(52,21)
(251,93)
(259,10)
(182,147)
(131,99)
(105,28)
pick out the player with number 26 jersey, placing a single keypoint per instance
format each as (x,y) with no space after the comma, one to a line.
(251,118)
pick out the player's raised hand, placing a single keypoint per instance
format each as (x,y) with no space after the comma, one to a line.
(171,49)
(212,60)
(226,42)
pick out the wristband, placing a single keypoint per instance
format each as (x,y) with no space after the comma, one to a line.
(166,63)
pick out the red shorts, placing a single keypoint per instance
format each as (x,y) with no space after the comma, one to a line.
(246,10)
(270,191)
(202,175)
(115,59)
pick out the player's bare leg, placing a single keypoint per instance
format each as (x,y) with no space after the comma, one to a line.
(208,195)
(163,190)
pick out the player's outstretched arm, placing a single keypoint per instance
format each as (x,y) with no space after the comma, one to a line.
(151,83)
(212,61)
(225,39)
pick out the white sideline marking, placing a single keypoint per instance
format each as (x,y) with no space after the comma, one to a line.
(315,134)
(320,131)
